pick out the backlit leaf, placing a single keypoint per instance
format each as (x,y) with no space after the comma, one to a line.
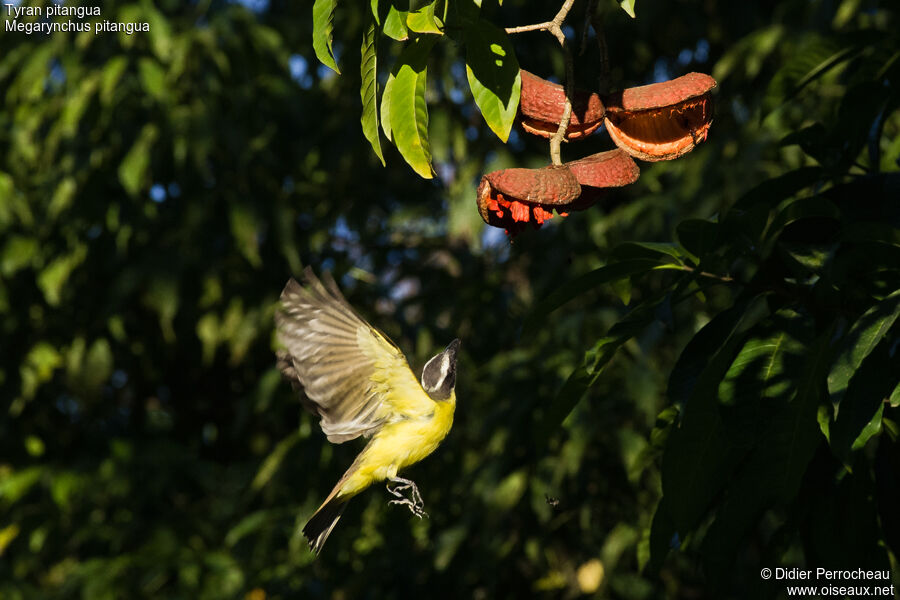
(369,89)
(409,113)
(323,29)
(493,74)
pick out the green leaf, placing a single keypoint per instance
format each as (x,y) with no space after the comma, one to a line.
(409,113)
(700,454)
(62,197)
(109,81)
(493,74)
(581,285)
(815,207)
(369,89)
(15,484)
(628,7)
(595,360)
(245,228)
(38,367)
(133,170)
(161,296)
(153,78)
(632,250)
(423,19)
(270,465)
(773,472)
(662,537)
(323,28)
(160,32)
(865,334)
(395,24)
(762,374)
(859,413)
(18,253)
(54,276)
(812,57)
(698,353)
(386,108)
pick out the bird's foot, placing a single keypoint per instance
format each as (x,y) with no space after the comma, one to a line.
(413,502)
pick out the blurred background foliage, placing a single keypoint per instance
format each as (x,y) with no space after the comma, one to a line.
(157,190)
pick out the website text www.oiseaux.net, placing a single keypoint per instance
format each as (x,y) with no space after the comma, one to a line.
(840,583)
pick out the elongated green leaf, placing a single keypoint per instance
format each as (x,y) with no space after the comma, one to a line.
(409,113)
(134,168)
(270,465)
(773,472)
(813,57)
(628,7)
(386,108)
(52,279)
(424,20)
(700,453)
(859,413)
(153,78)
(595,360)
(815,207)
(763,373)
(865,334)
(493,74)
(698,353)
(647,250)
(368,89)
(395,24)
(582,284)
(323,29)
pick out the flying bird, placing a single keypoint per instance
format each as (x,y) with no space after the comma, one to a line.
(360,384)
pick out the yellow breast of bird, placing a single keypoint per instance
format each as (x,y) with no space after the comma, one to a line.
(399,444)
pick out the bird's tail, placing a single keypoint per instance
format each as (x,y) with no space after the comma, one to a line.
(323,521)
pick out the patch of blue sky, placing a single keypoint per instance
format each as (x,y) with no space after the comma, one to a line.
(299,69)
(254,6)
(661,71)
(158,193)
(701,53)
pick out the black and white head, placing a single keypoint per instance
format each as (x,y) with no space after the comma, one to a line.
(439,374)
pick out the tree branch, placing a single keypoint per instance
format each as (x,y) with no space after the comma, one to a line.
(555,28)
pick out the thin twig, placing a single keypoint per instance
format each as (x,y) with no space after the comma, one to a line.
(536,27)
(597,24)
(555,28)
(588,18)
(722,278)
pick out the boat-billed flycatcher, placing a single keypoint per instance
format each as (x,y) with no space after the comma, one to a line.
(359,383)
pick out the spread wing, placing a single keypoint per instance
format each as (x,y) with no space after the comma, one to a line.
(354,377)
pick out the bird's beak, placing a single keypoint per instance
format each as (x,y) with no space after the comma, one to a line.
(452,349)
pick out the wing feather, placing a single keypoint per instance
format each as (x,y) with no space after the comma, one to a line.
(352,374)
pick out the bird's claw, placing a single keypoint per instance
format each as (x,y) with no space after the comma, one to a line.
(414,502)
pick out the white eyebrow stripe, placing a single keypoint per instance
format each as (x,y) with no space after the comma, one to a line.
(445,367)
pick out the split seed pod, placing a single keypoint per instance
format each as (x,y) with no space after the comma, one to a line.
(510,198)
(599,172)
(661,121)
(542,104)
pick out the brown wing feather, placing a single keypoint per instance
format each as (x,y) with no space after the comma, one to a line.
(320,333)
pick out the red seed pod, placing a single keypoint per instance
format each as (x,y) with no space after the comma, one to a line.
(601,171)
(510,198)
(661,121)
(542,104)
(613,168)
